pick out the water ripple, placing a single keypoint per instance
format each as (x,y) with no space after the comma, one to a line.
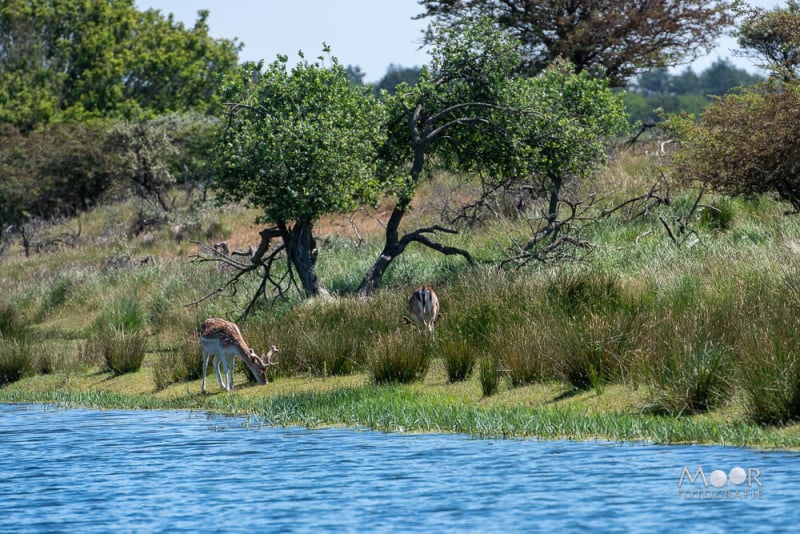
(96,471)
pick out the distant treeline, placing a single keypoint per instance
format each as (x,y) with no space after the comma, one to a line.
(659,91)
(647,96)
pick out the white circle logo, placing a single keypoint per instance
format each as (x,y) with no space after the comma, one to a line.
(737,475)
(718,478)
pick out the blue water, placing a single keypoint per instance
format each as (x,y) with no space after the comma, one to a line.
(156,471)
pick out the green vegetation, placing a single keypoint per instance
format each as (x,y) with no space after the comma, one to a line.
(599,289)
(644,339)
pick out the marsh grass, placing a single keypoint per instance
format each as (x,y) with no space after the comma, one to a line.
(770,370)
(398,358)
(459,357)
(13,325)
(180,362)
(125,313)
(698,325)
(18,359)
(122,351)
(489,375)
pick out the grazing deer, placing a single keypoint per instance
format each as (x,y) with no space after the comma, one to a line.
(224,341)
(423,304)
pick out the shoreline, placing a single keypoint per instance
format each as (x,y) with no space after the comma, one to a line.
(539,412)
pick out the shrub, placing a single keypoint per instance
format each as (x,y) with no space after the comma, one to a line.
(719,215)
(12,324)
(593,350)
(400,358)
(690,371)
(122,351)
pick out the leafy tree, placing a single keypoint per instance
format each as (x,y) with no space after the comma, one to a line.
(471,112)
(104,58)
(612,38)
(773,37)
(298,144)
(661,93)
(354,74)
(140,152)
(448,113)
(722,76)
(745,144)
(655,82)
(54,171)
(686,83)
(566,123)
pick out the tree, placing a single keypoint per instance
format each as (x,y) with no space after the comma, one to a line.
(722,76)
(611,38)
(749,143)
(773,37)
(745,144)
(562,137)
(104,58)
(141,150)
(354,74)
(298,144)
(471,112)
(447,114)
(54,171)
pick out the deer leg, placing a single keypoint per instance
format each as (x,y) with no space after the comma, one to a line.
(217,369)
(205,365)
(229,366)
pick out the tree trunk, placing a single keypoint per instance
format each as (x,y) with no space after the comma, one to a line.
(391,249)
(301,250)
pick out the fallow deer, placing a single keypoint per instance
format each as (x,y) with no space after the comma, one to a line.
(423,304)
(223,340)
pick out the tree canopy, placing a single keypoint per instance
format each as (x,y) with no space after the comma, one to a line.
(610,38)
(748,143)
(104,58)
(773,37)
(299,143)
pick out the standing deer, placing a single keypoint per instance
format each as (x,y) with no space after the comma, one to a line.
(224,341)
(423,304)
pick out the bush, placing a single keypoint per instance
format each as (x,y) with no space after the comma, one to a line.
(770,374)
(690,373)
(122,351)
(594,349)
(400,358)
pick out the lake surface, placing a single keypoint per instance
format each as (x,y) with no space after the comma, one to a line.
(155,471)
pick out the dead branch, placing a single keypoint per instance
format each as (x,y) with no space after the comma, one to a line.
(260,262)
(420,237)
(555,240)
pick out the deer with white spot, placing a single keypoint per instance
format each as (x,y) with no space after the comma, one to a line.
(223,340)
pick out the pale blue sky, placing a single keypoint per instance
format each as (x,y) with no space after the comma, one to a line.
(369,33)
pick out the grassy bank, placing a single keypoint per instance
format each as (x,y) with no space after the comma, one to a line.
(546,411)
(692,337)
